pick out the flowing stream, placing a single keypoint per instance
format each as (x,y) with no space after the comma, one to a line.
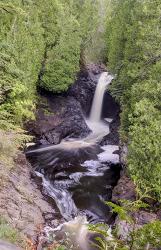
(104,80)
(77,174)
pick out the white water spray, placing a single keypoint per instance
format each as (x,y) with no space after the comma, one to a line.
(98,127)
(96,110)
(77,228)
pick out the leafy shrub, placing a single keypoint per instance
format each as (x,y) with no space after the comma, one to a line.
(75,23)
(21,47)
(147,236)
(144,158)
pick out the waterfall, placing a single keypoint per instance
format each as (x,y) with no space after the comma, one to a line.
(76,174)
(98,127)
(96,110)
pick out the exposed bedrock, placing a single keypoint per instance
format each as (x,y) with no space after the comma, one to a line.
(80,167)
(58,117)
(21,202)
(63,116)
(83,89)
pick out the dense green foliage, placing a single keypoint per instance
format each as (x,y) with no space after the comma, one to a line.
(133,35)
(133,236)
(21,55)
(44,43)
(41,45)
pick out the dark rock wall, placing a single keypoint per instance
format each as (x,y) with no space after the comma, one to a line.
(63,116)
(58,117)
(84,87)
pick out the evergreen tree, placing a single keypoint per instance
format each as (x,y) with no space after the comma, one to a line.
(74,21)
(133,50)
(41,45)
(21,54)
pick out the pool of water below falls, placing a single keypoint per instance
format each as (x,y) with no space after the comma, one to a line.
(79,174)
(79,180)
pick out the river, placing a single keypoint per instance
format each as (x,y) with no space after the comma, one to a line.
(79,174)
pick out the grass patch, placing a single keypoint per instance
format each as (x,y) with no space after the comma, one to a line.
(10,234)
(10,143)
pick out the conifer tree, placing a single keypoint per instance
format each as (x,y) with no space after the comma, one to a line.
(133,43)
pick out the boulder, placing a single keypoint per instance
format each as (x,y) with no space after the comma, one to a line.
(124,190)
(61,117)
(73,124)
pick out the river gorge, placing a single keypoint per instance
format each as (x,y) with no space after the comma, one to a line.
(79,172)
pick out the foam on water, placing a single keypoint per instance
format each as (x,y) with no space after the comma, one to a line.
(82,191)
(108,155)
(99,130)
(62,198)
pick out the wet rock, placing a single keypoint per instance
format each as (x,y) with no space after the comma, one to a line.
(113,137)
(111,109)
(125,190)
(140,217)
(123,153)
(73,124)
(7,246)
(61,117)
(83,90)
(84,87)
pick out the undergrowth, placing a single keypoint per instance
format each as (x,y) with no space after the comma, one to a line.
(10,142)
(145,237)
(10,234)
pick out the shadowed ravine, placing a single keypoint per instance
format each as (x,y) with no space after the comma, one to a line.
(80,174)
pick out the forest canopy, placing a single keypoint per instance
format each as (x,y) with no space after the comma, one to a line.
(42,44)
(133,35)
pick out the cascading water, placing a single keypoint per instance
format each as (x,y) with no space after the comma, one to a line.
(104,80)
(77,173)
(98,127)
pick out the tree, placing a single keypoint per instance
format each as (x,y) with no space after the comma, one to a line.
(133,52)
(41,45)
(75,23)
(21,54)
